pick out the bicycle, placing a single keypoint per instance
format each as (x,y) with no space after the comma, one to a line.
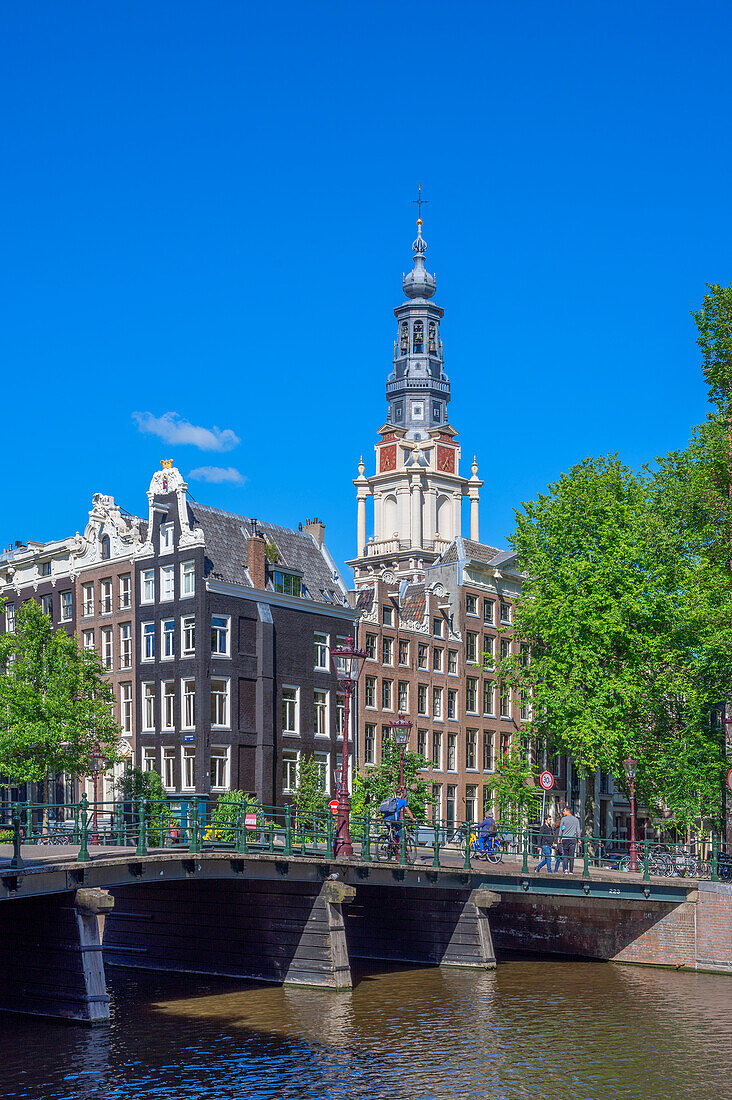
(491,850)
(389,847)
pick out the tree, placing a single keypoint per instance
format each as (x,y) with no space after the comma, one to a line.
(381,781)
(309,797)
(137,786)
(228,812)
(56,707)
(515,790)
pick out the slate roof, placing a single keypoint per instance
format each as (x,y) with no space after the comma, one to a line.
(226,535)
(461,549)
(413,603)
(365,600)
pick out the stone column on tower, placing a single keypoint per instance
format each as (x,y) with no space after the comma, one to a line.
(416,490)
(362,491)
(474,487)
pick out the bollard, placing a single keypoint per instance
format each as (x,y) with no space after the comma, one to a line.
(83,856)
(366,846)
(525,845)
(586,855)
(193,845)
(468,830)
(288,831)
(141,849)
(715,859)
(119,824)
(17,861)
(436,845)
(646,872)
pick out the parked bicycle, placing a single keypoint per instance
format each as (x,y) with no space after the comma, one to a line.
(388,845)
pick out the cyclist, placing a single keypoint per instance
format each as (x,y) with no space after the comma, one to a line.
(487,830)
(392,813)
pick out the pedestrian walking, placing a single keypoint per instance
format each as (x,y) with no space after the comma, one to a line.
(544,839)
(569,834)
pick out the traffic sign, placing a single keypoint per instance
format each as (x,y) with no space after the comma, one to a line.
(333,804)
(729,779)
(546,781)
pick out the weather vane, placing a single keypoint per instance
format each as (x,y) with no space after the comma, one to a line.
(419,200)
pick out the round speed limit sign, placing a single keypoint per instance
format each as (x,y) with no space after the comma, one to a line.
(546,781)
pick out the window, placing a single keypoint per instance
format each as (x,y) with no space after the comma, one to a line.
(471,604)
(10,617)
(107,647)
(87,605)
(488,650)
(289,771)
(47,605)
(167,691)
(437,750)
(471,802)
(219,769)
(505,744)
(385,739)
(505,702)
(106,548)
(370,691)
(471,750)
(125,645)
(168,639)
(189,769)
(188,635)
(452,664)
(422,653)
(487,751)
(436,801)
(188,579)
(387,694)
(452,702)
(189,704)
(471,646)
(66,606)
(525,655)
(125,707)
(403,653)
(87,638)
(371,647)
(322,761)
(148,760)
(437,702)
(148,586)
(505,612)
(320,715)
(387,651)
(44,569)
(505,649)
(166,537)
(105,596)
(220,635)
(525,711)
(387,616)
(340,713)
(290,706)
(450,805)
(125,592)
(169,769)
(488,697)
(220,703)
(167,582)
(452,752)
(369,743)
(403,696)
(471,695)
(148,641)
(488,611)
(148,706)
(421,698)
(422,742)
(437,659)
(437,625)
(320,644)
(287,583)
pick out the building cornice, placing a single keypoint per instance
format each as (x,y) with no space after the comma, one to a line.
(279,599)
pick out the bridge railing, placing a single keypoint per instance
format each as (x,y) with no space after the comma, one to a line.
(197,824)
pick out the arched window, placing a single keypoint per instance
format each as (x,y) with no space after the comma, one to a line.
(106,548)
(404,339)
(418,337)
(432,347)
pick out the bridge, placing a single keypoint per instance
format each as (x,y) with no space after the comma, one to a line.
(302,918)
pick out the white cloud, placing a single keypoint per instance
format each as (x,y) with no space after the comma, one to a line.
(216,474)
(174,429)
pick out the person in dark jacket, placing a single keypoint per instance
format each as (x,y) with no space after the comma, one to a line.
(545,838)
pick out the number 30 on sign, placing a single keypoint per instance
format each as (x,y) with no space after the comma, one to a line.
(546,781)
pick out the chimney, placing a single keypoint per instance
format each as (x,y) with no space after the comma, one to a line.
(256,563)
(316,528)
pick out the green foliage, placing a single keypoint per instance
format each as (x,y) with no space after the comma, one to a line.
(714,325)
(271,552)
(309,798)
(515,789)
(228,812)
(381,782)
(56,706)
(136,785)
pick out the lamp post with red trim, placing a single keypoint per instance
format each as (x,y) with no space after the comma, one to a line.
(400,730)
(348,663)
(631,766)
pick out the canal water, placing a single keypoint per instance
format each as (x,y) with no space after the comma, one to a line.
(531,1028)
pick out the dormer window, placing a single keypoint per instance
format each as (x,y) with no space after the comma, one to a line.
(44,569)
(287,583)
(106,547)
(166,537)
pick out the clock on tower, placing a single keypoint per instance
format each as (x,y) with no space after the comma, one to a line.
(446,459)
(387,458)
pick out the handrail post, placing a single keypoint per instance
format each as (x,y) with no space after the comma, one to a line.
(403,844)
(288,830)
(586,855)
(330,836)
(646,871)
(118,813)
(366,844)
(525,846)
(193,828)
(715,859)
(436,844)
(241,841)
(141,849)
(83,856)
(468,830)
(17,861)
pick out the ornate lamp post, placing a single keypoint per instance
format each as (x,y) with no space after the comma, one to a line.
(348,663)
(631,766)
(400,730)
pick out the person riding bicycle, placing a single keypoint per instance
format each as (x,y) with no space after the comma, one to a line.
(487,831)
(392,813)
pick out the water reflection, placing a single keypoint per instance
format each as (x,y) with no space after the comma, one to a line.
(583,1031)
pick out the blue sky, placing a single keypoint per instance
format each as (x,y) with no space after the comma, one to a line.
(206,212)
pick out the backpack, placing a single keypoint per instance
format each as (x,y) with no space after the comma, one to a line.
(389,806)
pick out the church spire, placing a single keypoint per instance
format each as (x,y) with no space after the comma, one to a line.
(419,283)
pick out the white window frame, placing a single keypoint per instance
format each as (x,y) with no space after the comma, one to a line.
(107,648)
(471,680)
(87,603)
(147,586)
(219,630)
(125,707)
(125,591)
(185,629)
(369,740)
(220,753)
(322,759)
(165,636)
(387,650)
(149,760)
(437,701)
(167,756)
(147,718)
(167,705)
(295,703)
(167,583)
(87,637)
(187,754)
(225,695)
(184,697)
(167,538)
(145,636)
(451,753)
(290,765)
(370,685)
(47,605)
(67,606)
(321,711)
(106,599)
(187,579)
(10,617)
(321,649)
(387,689)
(471,739)
(125,645)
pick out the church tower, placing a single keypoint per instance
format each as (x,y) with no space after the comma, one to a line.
(417,488)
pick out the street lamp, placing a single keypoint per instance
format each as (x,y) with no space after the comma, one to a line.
(348,663)
(631,767)
(400,730)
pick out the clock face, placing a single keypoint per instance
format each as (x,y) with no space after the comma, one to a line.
(387,458)
(446,460)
